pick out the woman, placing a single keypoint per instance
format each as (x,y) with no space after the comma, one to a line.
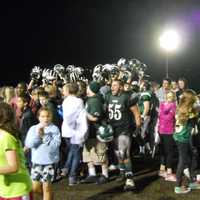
(15,182)
(166,128)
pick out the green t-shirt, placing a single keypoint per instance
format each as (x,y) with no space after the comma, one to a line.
(15,184)
(94,106)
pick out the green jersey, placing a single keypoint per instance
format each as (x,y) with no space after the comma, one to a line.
(119,113)
(18,183)
(144,96)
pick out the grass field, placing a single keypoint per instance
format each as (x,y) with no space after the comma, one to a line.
(149,187)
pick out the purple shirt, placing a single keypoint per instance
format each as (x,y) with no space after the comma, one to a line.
(167,111)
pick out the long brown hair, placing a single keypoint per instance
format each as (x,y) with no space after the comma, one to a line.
(186,106)
(7,120)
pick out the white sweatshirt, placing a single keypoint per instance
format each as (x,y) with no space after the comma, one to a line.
(74,124)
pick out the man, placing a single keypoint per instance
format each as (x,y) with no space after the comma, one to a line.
(121,106)
(182,86)
(161,92)
(145,106)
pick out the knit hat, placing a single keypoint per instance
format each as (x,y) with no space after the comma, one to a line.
(94,86)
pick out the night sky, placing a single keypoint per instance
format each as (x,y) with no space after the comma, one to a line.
(90,32)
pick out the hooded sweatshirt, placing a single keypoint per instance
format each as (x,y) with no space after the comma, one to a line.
(167,112)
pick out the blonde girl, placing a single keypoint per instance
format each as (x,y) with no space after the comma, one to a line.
(186,113)
(166,128)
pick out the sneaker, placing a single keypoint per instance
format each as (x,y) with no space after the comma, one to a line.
(89,179)
(194,186)
(170,177)
(72,181)
(186,172)
(112,168)
(181,190)
(102,180)
(162,173)
(129,185)
(64,172)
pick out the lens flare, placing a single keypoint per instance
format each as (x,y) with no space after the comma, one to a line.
(169,40)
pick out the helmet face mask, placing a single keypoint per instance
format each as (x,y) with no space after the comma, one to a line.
(36,73)
(124,69)
(97,73)
(121,62)
(105,75)
(134,64)
(114,72)
(105,133)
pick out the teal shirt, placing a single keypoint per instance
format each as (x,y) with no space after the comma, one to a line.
(182,133)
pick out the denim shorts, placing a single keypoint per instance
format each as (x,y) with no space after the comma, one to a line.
(42,173)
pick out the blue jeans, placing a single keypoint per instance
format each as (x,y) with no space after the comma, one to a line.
(73,159)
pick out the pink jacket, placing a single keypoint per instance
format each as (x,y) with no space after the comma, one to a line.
(167,111)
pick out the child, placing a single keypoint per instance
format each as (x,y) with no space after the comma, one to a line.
(15,182)
(45,101)
(74,129)
(185,115)
(166,128)
(44,141)
(25,117)
(95,152)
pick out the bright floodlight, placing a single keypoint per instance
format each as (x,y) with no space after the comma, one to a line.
(169,40)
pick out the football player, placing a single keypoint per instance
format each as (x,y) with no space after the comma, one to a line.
(121,106)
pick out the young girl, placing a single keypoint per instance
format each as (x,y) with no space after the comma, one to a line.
(184,121)
(166,128)
(15,182)
(44,141)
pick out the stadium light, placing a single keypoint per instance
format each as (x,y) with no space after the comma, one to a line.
(169,41)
